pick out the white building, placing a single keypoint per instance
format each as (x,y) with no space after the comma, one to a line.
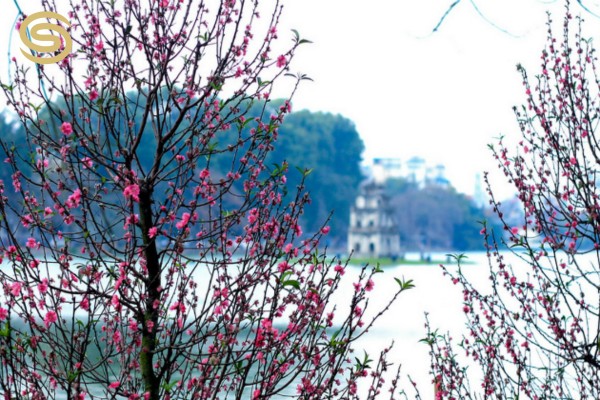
(415,170)
(385,168)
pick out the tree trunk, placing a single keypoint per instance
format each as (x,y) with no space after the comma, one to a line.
(151,381)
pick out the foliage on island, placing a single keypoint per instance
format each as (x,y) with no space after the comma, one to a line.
(436,217)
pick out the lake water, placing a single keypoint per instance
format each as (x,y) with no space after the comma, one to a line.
(404,322)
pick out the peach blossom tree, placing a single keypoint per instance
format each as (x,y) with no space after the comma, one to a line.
(533,331)
(132,267)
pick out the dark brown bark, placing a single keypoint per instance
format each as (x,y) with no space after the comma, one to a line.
(151,381)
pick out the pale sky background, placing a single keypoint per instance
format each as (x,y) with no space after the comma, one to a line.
(442,96)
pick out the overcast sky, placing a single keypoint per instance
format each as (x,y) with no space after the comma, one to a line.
(442,96)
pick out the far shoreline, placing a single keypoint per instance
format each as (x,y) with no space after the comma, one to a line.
(390,262)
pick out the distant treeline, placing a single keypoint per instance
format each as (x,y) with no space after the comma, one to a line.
(431,217)
(435,216)
(327,144)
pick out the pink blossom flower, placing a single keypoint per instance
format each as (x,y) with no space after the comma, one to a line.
(41,164)
(74,200)
(87,162)
(43,286)
(369,286)
(114,385)
(133,326)
(3,314)
(325,230)
(283,266)
(152,232)
(514,230)
(50,318)
(339,269)
(297,230)
(85,304)
(132,219)
(132,192)
(27,220)
(66,128)
(281,61)
(185,218)
(115,301)
(94,94)
(31,243)
(15,288)
(204,173)
(253,216)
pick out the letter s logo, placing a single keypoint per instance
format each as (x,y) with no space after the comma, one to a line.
(56,42)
